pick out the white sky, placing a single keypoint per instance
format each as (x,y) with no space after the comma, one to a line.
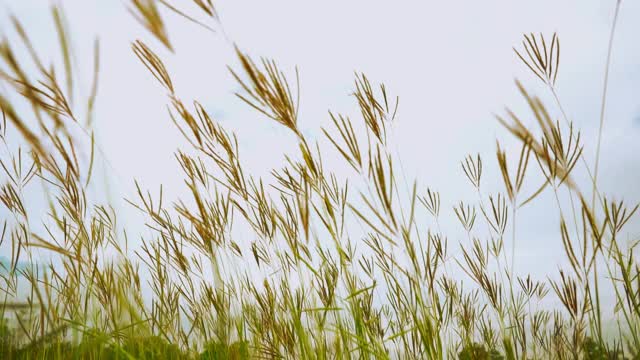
(450,62)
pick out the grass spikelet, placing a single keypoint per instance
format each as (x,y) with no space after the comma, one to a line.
(473,169)
(148,15)
(432,202)
(542,60)
(268,91)
(375,113)
(153,63)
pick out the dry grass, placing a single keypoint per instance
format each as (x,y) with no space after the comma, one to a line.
(337,266)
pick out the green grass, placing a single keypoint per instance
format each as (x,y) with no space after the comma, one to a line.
(338,265)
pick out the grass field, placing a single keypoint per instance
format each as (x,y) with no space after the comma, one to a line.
(337,265)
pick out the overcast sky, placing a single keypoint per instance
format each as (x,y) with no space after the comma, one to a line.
(451,63)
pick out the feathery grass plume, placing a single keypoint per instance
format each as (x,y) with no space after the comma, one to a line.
(542,60)
(513,187)
(147,14)
(432,202)
(466,215)
(153,63)
(375,113)
(267,90)
(556,155)
(618,214)
(499,213)
(473,169)
(48,97)
(49,102)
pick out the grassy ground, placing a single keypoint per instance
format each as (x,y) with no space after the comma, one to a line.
(338,265)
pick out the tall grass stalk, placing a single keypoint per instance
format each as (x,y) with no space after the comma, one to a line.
(307,262)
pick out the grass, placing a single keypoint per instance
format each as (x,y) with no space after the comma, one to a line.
(338,265)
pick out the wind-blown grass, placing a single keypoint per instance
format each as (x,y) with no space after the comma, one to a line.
(337,266)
